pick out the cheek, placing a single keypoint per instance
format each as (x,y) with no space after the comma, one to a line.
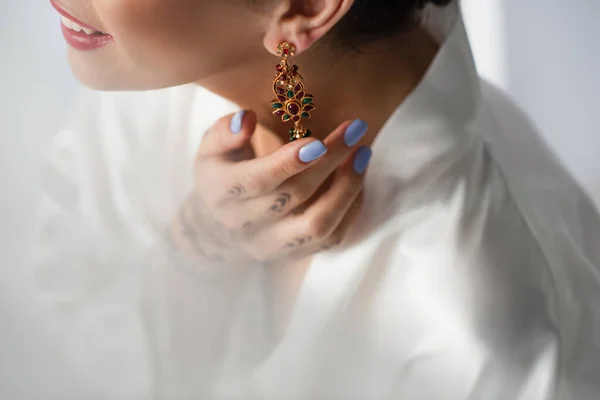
(149,28)
(171,35)
(160,43)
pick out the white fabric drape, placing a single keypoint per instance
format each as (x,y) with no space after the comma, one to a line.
(472,273)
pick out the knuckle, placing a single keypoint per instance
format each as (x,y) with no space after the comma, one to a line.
(247,227)
(235,228)
(219,220)
(235,190)
(301,191)
(351,191)
(212,201)
(228,225)
(256,253)
(319,227)
(281,203)
(284,169)
(348,181)
(210,186)
(297,243)
(257,184)
(332,242)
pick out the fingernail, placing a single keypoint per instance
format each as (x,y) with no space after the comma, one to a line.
(361,159)
(236,122)
(355,131)
(312,151)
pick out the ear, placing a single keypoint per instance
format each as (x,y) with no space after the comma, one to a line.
(303,22)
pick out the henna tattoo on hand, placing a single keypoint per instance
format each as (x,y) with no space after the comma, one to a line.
(201,231)
(331,245)
(237,190)
(247,225)
(281,202)
(298,242)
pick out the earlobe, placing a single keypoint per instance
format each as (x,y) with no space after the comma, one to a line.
(303,24)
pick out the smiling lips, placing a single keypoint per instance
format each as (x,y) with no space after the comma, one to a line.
(80,35)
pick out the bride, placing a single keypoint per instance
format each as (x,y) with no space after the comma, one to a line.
(311,199)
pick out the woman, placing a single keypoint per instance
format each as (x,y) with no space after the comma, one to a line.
(463,263)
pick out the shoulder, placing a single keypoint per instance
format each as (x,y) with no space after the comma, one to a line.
(544,190)
(511,136)
(500,105)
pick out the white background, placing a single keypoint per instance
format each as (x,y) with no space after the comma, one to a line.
(544,52)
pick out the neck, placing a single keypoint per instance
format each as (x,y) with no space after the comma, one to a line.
(368,85)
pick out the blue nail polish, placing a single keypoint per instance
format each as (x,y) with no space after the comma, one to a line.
(355,131)
(236,122)
(312,151)
(361,160)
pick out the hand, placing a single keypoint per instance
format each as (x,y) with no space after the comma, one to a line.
(293,202)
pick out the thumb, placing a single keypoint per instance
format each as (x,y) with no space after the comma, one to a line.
(229,134)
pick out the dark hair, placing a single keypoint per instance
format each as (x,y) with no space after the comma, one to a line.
(368,20)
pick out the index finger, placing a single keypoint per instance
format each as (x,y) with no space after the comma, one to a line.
(263,175)
(229,133)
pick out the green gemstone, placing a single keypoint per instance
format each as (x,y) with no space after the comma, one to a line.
(286,117)
(307,100)
(277,105)
(290,94)
(305,115)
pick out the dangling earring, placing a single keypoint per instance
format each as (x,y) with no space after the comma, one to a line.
(292,102)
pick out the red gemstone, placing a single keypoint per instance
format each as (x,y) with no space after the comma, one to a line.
(281,98)
(297,88)
(279,112)
(283,77)
(293,108)
(300,95)
(308,107)
(280,90)
(279,68)
(286,51)
(295,118)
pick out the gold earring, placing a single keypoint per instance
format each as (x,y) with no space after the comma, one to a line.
(292,102)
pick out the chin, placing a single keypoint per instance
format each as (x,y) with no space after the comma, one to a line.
(94,71)
(89,69)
